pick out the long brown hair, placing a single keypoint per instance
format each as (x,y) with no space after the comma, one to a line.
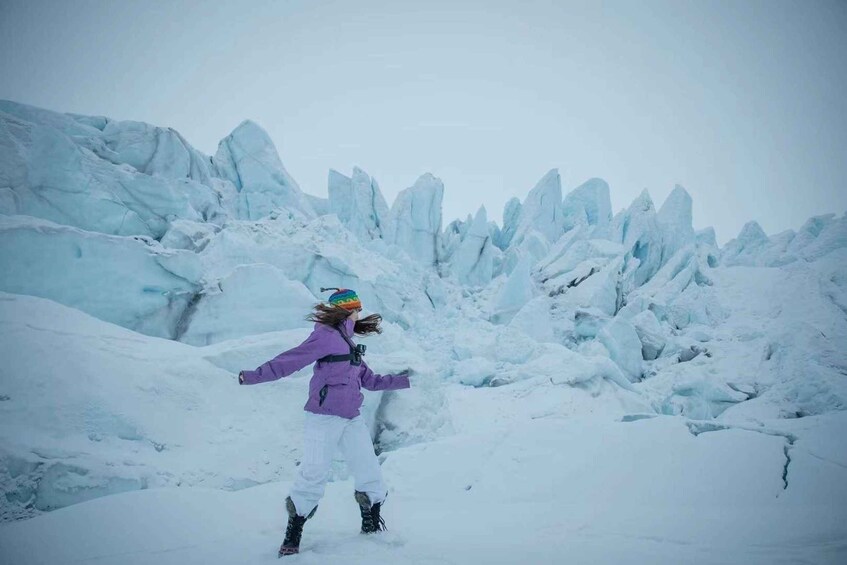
(335,315)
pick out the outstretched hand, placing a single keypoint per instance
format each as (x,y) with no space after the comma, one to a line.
(241,377)
(407,373)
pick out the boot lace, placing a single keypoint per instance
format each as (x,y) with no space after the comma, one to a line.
(377,521)
(371,520)
(367,520)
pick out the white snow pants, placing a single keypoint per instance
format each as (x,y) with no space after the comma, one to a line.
(322,436)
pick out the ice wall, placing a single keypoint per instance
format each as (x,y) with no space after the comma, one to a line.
(414,223)
(589,204)
(248,159)
(473,261)
(358,203)
(70,175)
(130,281)
(542,210)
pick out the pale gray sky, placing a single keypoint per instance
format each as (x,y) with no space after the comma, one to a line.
(742,102)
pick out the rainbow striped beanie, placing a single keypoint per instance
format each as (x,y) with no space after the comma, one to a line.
(346,298)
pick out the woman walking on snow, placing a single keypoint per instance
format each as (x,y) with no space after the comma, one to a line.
(332,411)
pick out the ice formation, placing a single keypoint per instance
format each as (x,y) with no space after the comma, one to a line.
(71,176)
(248,159)
(511,213)
(588,204)
(358,203)
(130,281)
(414,222)
(473,260)
(542,210)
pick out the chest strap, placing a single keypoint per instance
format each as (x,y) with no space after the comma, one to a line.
(337,358)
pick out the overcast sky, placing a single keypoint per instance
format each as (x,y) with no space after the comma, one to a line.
(742,102)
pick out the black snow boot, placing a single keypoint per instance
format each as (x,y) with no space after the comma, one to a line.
(371,520)
(291,543)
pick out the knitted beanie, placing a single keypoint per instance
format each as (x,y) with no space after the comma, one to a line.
(346,298)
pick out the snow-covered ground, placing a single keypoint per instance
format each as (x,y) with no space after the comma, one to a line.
(535,471)
(589,388)
(649,492)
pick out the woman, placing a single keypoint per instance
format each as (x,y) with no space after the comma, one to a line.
(332,411)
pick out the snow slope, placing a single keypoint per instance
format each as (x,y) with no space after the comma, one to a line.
(539,469)
(712,517)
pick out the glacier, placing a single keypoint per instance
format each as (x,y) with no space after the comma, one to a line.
(62,171)
(145,287)
(589,204)
(474,259)
(541,211)
(140,275)
(358,203)
(248,159)
(414,221)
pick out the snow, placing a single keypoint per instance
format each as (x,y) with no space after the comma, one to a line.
(590,511)
(614,389)
(91,409)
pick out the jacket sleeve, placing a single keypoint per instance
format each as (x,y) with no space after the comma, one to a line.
(372,381)
(290,361)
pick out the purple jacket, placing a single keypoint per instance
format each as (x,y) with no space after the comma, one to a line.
(344,381)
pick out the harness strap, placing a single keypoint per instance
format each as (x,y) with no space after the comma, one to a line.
(346,338)
(336,358)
